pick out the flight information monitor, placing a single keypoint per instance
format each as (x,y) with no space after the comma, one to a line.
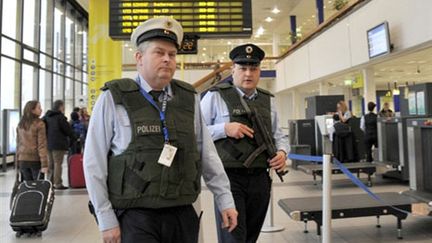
(204,19)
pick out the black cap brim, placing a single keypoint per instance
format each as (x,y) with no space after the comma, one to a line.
(158,34)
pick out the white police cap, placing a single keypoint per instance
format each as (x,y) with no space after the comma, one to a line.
(158,28)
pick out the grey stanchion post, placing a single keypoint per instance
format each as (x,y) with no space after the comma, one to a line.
(327,189)
(269,226)
(325,122)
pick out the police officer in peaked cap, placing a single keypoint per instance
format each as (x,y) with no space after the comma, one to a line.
(147,147)
(225,112)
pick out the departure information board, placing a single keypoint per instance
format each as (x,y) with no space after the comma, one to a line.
(205,19)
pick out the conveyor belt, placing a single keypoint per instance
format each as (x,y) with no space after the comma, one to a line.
(348,206)
(360,167)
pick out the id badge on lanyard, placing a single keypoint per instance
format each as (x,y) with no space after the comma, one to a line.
(168,152)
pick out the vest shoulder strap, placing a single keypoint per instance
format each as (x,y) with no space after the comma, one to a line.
(184,85)
(118,87)
(221,86)
(266,92)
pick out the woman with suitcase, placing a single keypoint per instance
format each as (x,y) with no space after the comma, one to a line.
(32,154)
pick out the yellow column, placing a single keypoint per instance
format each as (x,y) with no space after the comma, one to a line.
(105,55)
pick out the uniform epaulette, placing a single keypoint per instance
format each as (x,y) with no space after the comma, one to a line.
(124,85)
(265,92)
(184,85)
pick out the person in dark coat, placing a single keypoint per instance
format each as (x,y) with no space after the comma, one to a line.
(344,146)
(59,135)
(79,131)
(368,124)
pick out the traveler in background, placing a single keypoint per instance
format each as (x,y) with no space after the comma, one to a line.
(59,135)
(84,117)
(386,111)
(80,133)
(368,124)
(343,112)
(32,154)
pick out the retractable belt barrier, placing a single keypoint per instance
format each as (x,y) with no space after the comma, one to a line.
(353,178)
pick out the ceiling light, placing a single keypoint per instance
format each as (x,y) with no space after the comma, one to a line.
(204,49)
(130,49)
(313,16)
(275,10)
(126,45)
(229,43)
(269,19)
(203,54)
(260,31)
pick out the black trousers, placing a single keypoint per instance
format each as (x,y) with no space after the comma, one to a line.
(369,142)
(164,225)
(251,192)
(29,170)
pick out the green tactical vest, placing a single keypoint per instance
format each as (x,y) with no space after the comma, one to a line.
(135,178)
(233,152)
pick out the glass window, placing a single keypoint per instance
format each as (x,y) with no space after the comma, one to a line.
(9,84)
(78,46)
(30,23)
(85,52)
(29,81)
(9,18)
(45,61)
(69,71)
(58,66)
(45,86)
(69,39)
(46,27)
(30,55)
(10,48)
(58,34)
(69,102)
(58,87)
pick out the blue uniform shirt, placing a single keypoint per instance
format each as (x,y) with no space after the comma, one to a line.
(216,114)
(109,129)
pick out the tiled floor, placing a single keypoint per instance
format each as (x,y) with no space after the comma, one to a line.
(71,222)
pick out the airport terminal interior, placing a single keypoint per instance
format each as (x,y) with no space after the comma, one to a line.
(325,62)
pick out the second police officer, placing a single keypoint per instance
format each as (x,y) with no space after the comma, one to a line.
(231,128)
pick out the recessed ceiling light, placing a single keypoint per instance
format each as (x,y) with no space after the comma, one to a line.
(229,43)
(313,16)
(126,45)
(204,49)
(269,19)
(260,30)
(275,10)
(224,52)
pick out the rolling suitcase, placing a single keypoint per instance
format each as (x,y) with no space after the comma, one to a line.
(76,171)
(31,207)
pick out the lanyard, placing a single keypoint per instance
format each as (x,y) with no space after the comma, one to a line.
(149,98)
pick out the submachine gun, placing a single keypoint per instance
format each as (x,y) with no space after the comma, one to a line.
(264,140)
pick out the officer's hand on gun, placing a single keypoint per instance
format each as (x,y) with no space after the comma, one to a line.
(237,130)
(278,162)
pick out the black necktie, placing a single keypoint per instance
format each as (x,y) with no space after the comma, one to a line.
(156,94)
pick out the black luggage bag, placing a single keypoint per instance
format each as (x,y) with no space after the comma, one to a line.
(31,207)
